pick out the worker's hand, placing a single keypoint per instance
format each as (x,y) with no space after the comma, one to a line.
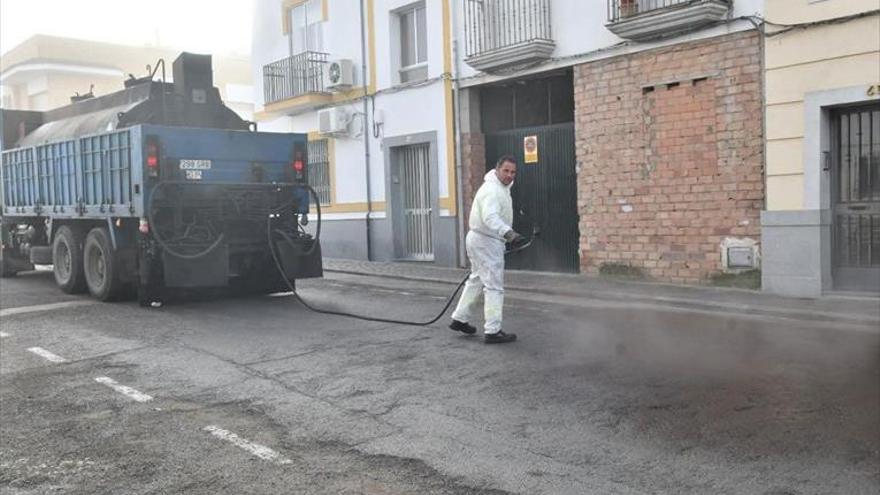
(513,237)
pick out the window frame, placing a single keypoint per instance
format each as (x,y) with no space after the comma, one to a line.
(298,11)
(418,70)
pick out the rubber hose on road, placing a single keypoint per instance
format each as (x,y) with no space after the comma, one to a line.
(290,286)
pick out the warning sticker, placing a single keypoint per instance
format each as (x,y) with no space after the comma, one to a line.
(530,149)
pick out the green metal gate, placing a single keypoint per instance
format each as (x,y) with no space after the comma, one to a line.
(544,195)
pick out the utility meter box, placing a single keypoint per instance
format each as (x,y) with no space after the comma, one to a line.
(738,255)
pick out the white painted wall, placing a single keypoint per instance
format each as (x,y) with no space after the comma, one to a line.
(268,43)
(578,27)
(406,110)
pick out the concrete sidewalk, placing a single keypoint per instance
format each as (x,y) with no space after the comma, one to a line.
(849,309)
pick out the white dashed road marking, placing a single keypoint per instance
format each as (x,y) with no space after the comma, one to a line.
(124,390)
(39,308)
(43,353)
(260,451)
(3,335)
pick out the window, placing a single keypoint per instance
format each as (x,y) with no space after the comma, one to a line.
(413,44)
(319,169)
(305,33)
(527,103)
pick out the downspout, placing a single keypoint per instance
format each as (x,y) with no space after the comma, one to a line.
(364,129)
(459,167)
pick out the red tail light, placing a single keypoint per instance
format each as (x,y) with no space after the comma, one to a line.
(299,161)
(152,157)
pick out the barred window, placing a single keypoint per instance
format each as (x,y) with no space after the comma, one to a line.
(319,169)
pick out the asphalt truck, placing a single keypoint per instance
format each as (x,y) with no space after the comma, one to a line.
(155,188)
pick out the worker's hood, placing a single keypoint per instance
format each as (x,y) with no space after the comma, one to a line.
(492,178)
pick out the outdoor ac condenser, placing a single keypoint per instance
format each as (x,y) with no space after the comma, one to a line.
(333,121)
(339,75)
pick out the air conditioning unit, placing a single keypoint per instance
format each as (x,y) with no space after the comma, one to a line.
(333,121)
(339,75)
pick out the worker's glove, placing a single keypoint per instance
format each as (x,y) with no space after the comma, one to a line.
(513,237)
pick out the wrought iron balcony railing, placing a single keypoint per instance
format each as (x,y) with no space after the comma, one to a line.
(620,9)
(506,32)
(294,76)
(646,19)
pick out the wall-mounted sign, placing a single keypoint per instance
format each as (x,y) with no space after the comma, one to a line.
(530,149)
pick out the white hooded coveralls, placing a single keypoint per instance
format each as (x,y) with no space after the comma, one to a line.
(491,217)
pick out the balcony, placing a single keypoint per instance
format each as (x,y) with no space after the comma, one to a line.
(506,33)
(295,82)
(642,20)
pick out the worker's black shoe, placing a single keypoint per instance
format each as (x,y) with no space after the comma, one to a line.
(499,338)
(460,326)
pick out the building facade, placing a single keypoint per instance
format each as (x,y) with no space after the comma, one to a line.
(821,227)
(637,123)
(647,120)
(43,72)
(383,164)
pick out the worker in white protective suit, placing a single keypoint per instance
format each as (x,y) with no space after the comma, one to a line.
(490,227)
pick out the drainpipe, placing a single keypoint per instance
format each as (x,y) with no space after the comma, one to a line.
(364,129)
(459,167)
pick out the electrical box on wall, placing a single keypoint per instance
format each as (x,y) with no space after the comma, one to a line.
(739,255)
(339,75)
(333,121)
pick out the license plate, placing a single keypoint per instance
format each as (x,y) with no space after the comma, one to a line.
(195,164)
(193,174)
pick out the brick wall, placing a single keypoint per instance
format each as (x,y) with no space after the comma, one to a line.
(671,153)
(473,158)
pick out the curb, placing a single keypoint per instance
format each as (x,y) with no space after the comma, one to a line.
(683,303)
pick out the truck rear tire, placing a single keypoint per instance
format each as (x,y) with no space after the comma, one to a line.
(101,267)
(6,269)
(67,260)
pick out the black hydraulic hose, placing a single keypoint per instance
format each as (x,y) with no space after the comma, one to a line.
(317,227)
(162,242)
(299,298)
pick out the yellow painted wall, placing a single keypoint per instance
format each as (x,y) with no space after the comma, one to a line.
(798,11)
(801,61)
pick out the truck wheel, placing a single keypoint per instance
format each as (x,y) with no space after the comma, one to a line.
(67,260)
(6,270)
(100,266)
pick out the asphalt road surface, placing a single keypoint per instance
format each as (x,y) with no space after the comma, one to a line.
(259,395)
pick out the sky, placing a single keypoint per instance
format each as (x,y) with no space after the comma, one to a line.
(200,26)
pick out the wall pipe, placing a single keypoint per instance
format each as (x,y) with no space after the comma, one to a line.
(459,166)
(365,133)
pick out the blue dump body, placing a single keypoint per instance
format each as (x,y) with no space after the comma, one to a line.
(107,175)
(158,208)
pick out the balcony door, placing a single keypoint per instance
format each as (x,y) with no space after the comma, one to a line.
(305,33)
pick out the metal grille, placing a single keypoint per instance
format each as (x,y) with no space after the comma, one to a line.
(56,166)
(106,160)
(417,205)
(17,165)
(494,24)
(319,169)
(621,9)
(294,76)
(857,187)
